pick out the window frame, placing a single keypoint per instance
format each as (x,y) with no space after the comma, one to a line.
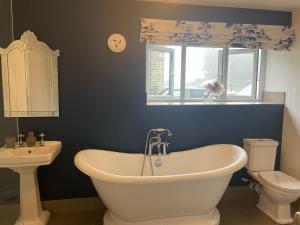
(170,51)
(256,63)
(258,80)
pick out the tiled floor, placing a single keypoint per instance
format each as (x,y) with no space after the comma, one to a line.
(237,212)
(78,218)
(233,212)
(9,213)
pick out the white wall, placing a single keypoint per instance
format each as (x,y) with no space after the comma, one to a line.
(278,71)
(283,75)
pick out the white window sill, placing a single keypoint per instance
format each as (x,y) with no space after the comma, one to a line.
(211,103)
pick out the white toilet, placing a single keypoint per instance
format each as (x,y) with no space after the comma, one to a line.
(277,190)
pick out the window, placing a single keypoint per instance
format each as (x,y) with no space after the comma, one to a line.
(163,72)
(177,73)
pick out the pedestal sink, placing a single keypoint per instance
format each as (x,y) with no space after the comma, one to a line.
(25,161)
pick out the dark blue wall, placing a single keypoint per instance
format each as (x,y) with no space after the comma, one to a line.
(8,126)
(9,183)
(102,94)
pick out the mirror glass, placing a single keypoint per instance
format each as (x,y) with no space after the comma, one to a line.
(29,78)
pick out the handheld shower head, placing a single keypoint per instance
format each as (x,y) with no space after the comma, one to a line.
(160,130)
(163,130)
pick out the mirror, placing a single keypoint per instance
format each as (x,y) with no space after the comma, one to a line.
(30,78)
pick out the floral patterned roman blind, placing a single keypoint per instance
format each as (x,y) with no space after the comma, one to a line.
(193,33)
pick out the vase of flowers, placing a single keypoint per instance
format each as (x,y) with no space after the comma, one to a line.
(213,90)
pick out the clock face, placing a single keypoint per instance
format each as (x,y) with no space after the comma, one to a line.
(117,43)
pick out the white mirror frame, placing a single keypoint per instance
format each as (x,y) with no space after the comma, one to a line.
(30,78)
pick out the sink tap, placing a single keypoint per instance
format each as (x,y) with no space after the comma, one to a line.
(42,142)
(20,139)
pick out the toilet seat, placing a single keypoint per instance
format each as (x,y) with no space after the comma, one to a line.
(281,181)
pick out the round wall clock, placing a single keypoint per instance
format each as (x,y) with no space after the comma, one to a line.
(117,43)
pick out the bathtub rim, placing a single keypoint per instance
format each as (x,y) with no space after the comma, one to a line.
(104,176)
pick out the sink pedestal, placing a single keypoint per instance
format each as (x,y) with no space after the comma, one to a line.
(30,203)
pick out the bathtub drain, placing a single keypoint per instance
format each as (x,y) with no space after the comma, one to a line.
(158,163)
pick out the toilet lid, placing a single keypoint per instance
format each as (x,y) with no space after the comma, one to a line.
(280,180)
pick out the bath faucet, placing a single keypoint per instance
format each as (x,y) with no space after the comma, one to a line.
(162,130)
(156,142)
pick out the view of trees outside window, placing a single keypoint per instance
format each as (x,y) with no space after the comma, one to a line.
(202,67)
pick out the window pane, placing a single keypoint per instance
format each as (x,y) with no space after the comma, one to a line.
(163,72)
(241,72)
(203,65)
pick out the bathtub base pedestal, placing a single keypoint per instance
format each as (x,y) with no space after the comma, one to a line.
(211,218)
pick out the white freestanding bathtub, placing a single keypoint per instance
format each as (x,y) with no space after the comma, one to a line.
(184,190)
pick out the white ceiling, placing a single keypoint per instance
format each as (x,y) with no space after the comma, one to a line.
(283,5)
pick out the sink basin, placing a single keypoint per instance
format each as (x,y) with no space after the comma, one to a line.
(29,156)
(25,161)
